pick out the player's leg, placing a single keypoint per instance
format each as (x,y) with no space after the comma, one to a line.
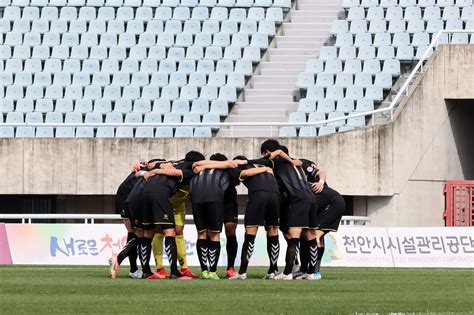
(329,220)
(130,248)
(313,253)
(230,225)
(201,243)
(215,219)
(132,242)
(171,250)
(273,251)
(213,252)
(247,251)
(297,220)
(157,246)
(144,252)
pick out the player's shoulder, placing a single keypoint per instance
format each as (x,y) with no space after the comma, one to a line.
(309,166)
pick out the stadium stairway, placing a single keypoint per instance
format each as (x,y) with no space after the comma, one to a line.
(270,96)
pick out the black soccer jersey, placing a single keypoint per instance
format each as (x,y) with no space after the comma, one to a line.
(293,179)
(263,181)
(169,184)
(127,185)
(210,185)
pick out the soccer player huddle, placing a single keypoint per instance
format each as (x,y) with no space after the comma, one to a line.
(284,194)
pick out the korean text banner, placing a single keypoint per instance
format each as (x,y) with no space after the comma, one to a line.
(94,244)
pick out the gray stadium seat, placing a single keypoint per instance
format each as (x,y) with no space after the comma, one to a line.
(164,132)
(308,131)
(287,131)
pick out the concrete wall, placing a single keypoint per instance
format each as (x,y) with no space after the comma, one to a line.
(430,141)
(400,166)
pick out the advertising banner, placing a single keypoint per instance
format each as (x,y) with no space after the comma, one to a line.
(351,246)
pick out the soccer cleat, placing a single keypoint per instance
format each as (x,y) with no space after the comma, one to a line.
(146,275)
(239,276)
(135,275)
(230,273)
(204,275)
(213,276)
(270,276)
(299,275)
(313,276)
(282,276)
(156,275)
(186,272)
(180,278)
(317,274)
(295,268)
(162,271)
(114,267)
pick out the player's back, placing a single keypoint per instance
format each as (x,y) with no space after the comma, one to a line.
(209,186)
(294,180)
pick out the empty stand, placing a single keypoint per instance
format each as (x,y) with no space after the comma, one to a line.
(73,58)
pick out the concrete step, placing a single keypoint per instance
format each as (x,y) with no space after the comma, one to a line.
(280,72)
(257,118)
(305,26)
(247,131)
(296,32)
(298,39)
(285,56)
(322,8)
(270,91)
(254,112)
(274,85)
(268,98)
(302,45)
(283,65)
(265,105)
(313,14)
(273,78)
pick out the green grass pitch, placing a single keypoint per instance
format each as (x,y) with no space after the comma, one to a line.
(50,289)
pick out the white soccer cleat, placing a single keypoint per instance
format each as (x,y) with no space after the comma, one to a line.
(270,276)
(239,277)
(282,276)
(313,276)
(135,275)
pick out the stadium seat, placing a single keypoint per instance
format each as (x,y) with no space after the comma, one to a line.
(287,132)
(164,132)
(307,131)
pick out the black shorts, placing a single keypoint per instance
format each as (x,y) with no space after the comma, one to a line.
(157,210)
(284,205)
(231,212)
(208,216)
(331,208)
(302,213)
(135,208)
(263,209)
(121,206)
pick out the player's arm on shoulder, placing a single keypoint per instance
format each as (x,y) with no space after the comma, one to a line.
(163,171)
(255,171)
(214,164)
(284,156)
(319,186)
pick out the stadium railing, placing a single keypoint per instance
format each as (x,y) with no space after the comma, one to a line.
(90,218)
(404,90)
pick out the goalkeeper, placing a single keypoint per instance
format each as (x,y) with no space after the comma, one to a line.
(178,201)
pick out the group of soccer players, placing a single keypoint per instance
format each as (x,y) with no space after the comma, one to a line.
(286,194)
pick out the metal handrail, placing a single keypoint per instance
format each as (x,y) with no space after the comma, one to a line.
(403,91)
(90,218)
